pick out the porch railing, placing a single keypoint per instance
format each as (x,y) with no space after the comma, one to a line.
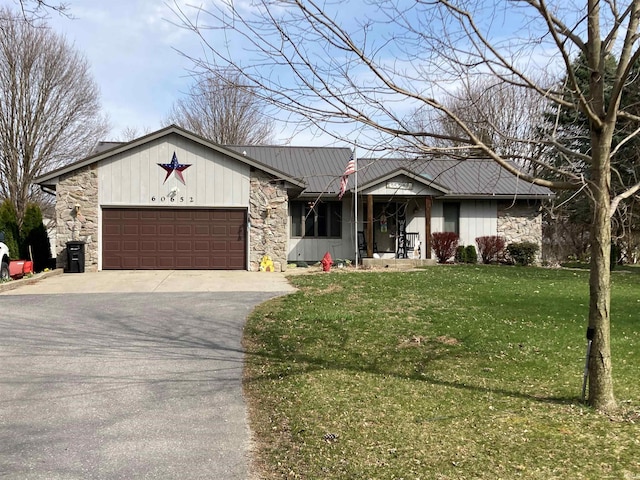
(407,243)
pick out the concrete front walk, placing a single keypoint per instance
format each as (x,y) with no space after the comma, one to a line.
(119,375)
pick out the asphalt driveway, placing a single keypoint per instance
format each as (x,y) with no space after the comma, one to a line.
(127,376)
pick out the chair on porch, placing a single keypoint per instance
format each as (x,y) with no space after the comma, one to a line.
(408,244)
(362,245)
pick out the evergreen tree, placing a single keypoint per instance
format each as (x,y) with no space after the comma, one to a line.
(34,241)
(9,225)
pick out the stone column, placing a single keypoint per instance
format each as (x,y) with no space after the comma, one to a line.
(269,217)
(520,222)
(77,215)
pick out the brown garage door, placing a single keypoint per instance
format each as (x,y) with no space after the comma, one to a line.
(181,239)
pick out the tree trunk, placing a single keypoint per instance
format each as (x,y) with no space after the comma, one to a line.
(600,374)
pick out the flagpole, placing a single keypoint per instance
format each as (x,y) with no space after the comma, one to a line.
(355,204)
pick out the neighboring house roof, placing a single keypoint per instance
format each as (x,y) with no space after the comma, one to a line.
(108,149)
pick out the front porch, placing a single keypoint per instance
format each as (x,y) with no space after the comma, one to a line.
(397,263)
(395,228)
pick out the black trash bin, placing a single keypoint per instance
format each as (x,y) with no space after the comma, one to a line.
(75,256)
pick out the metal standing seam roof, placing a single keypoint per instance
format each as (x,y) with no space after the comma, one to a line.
(470,177)
(321,168)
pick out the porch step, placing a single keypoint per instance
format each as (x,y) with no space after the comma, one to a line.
(397,263)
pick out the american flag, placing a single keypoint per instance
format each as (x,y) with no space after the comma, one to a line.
(351,168)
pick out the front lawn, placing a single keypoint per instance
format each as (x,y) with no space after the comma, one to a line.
(452,372)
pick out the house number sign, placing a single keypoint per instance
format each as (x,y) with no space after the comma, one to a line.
(171,199)
(400,185)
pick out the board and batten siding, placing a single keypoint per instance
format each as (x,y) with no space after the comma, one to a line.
(134,178)
(313,249)
(478,218)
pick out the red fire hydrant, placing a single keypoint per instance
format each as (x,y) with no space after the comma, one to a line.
(326,262)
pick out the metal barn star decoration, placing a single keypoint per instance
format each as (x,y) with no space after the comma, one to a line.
(176,167)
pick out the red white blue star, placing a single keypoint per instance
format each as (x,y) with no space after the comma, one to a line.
(175,166)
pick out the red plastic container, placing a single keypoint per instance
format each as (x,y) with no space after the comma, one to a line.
(19,268)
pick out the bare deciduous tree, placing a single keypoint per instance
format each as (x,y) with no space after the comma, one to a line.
(49,106)
(496,112)
(329,69)
(38,9)
(223,108)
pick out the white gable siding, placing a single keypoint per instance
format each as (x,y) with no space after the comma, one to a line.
(134,178)
(408,187)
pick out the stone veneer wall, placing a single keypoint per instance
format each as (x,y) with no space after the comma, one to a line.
(78,189)
(520,222)
(269,216)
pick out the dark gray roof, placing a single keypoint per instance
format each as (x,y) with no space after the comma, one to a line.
(318,170)
(321,167)
(471,177)
(104,146)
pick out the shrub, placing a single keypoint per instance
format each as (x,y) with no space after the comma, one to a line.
(523,253)
(471,254)
(444,245)
(461,254)
(9,225)
(489,247)
(34,241)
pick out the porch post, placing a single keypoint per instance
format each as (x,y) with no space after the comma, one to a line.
(428,202)
(369,226)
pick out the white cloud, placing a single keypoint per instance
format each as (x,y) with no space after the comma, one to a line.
(131,47)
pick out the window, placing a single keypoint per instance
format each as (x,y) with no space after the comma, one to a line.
(321,221)
(451,214)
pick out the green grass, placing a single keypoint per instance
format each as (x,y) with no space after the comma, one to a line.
(457,372)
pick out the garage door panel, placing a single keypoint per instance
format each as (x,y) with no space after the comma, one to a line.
(235,247)
(174,239)
(126,214)
(201,230)
(185,263)
(130,246)
(148,262)
(112,229)
(184,246)
(165,214)
(220,231)
(165,230)
(166,262)
(148,229)
(166,246)
(131,230)
(184,230)
(201,246)
(130,262)
(203,215)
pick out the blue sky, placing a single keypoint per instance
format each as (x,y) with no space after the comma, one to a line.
(131,48)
